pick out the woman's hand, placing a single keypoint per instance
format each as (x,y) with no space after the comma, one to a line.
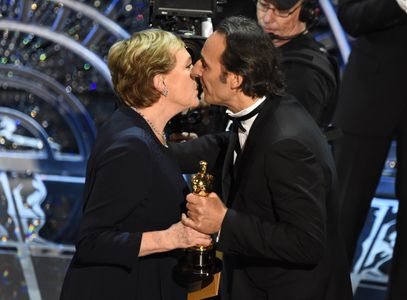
(176,236)
(182,236)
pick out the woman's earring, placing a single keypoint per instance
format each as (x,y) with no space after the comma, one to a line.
(165,92)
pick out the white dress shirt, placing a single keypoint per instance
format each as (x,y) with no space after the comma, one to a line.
(247,124)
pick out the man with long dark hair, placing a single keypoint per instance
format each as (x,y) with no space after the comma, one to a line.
(277,219)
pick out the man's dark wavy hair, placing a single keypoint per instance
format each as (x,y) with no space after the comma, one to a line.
(250,53)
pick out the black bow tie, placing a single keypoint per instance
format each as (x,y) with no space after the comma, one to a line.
(237,121)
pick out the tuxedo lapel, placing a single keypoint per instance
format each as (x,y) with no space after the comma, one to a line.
(227,169)
(252,141)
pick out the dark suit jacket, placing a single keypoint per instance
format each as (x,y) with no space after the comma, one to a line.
(281,227)
(310,79)
(132,186)
(372,98)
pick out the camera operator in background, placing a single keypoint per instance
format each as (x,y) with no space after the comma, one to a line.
(311,74)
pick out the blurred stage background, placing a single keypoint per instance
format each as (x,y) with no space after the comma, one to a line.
(55,92)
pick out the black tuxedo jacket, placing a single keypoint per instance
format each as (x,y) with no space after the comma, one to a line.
(372,98)
(280,235)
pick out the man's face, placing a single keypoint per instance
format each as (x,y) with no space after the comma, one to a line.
(214,80)
(280,22)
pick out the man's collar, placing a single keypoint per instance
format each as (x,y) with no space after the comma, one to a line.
(247,110)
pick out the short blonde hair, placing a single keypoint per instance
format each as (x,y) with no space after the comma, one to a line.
(134,62)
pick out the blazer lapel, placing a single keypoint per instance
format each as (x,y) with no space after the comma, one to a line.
(227,169)
(252,141)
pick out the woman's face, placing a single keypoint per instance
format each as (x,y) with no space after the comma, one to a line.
(182,88)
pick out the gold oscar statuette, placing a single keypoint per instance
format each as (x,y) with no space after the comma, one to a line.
(201,257)
(200,269)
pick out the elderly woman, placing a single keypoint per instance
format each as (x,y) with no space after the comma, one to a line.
(135,193)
